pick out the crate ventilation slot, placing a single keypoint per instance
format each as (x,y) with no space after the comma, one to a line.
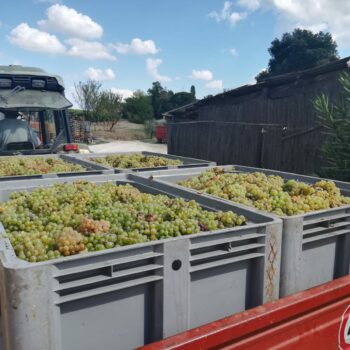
(213,253)
(326,227)
(94,279)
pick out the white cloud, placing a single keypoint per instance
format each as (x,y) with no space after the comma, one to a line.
(152,69)
(201,74)
(328,15)
(48,1)
(100,74)
(124,93)
(137,46)
(316,15)
(91,50)
(215,85)
(68,21)
(249,4)
(233,52)
(32,39)
(236,17)
(226,14)
(315,28)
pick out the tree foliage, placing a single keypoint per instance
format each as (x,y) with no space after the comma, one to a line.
(335,118)
(87,95)
(105,106)
(299,50)
(149,127)
(160,99)
(164,100)
(181,99)
(76,112)
(109,108)
(193,91)
(138,108)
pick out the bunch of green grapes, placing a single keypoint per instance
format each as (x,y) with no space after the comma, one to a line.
(14,165)
(269,193)
(68,219)
(136,160)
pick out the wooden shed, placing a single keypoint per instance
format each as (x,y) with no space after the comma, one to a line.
(271,124)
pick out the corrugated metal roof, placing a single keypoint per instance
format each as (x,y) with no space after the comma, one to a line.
(273,81)
(179,109)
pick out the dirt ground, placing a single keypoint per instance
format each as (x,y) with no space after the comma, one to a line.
(125,137)
(124,131)
(128,146)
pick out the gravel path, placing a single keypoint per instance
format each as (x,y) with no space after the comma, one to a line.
(129,146)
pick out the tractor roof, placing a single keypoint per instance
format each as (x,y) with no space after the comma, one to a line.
(32,71)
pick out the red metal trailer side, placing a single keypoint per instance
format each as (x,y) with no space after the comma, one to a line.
(314,319)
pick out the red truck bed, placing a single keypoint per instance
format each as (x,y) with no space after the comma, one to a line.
(313,319)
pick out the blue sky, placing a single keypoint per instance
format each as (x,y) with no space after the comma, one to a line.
(211,44)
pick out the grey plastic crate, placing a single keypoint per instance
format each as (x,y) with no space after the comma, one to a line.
(125,297)
(92,168)
(315,246)
(187,162)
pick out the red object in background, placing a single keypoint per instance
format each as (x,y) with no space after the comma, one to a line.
(71,147)
(313,319)
(161,134)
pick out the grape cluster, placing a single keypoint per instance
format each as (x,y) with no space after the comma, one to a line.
(70,242)
(67,219)
(88,226)
(136,160)
(13,166)
(269,193)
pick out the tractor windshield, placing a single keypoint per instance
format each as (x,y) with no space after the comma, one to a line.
(33,111)
(31,132)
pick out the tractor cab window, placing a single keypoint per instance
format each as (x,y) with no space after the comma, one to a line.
(32,131)
(45,125)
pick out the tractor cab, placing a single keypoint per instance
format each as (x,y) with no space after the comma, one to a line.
(33,112)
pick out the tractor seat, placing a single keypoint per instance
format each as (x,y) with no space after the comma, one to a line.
(19,146)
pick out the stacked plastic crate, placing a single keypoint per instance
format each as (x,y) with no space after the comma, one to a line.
(128,296)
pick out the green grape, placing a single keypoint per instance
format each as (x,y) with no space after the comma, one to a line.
(135,160)
(14,166)
(269,193)
(68,219)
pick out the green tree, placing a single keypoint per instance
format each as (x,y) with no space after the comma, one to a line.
(335,119)
(138,108)
(87,95)
(109,108)
(75,112)
(149,126)
(299,50)
(180,99)
(193,91)
(160,99)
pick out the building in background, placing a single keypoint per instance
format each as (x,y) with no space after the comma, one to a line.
(272,124)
